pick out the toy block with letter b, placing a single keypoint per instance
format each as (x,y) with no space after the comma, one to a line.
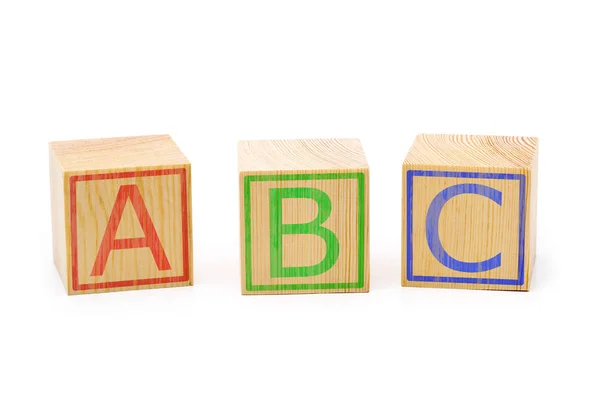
(469,212)
(304,208)
(121,214)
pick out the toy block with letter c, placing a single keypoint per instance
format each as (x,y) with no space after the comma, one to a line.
(304,208)
(469,212)
(121,214)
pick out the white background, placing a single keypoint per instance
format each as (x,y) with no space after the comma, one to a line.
(214,72)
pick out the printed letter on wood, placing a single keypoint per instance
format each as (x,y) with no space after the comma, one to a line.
(304,208)
(470,212)
(121,214)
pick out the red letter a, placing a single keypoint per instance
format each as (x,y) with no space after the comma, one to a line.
(150,238)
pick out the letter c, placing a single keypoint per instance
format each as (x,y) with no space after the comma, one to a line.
(432,229)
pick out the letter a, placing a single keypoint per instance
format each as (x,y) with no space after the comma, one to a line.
(150,239)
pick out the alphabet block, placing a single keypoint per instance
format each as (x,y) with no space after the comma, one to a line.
(469,212)
(304,207)
(121,214)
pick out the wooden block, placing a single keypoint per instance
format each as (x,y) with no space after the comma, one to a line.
(121,214)
(304,210)
(469,212)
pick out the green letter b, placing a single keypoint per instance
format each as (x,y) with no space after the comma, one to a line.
(278,229)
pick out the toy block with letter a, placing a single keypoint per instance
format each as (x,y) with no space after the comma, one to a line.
(304,207)
(469,212)
(121,214)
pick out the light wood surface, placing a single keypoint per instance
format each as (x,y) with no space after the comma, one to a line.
(337,168)
(118,153)
(473,151)
(60,211)
(301,155)
(121,214)
(472,227)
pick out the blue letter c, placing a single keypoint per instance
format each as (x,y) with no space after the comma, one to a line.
(433,235)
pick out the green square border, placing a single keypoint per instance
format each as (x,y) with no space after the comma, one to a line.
(360,177)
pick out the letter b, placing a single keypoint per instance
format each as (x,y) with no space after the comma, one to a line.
(304,210)
(278,229)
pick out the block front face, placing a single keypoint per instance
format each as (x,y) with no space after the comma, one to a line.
(304,233)
(465,229)
(129,229)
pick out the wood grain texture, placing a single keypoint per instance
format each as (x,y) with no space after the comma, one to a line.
(58,196)
(121,214)
(477,196)
(323,178)
(473,151)
(301,155)
(118,153)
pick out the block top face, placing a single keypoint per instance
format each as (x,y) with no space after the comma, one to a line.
(301,155)
(113,153)
(473,151)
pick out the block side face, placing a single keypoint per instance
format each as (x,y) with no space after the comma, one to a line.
(301,155)
(464,228)
(58,215)
(118,153)
(130,229)
(304,232)
(473,150)
(532,194)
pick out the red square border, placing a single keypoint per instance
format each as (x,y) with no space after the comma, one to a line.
(137,282)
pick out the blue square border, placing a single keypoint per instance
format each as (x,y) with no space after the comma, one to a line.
(473,175)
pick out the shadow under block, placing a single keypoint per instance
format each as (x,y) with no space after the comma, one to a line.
(469,212)
(304,211)
(121,214)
